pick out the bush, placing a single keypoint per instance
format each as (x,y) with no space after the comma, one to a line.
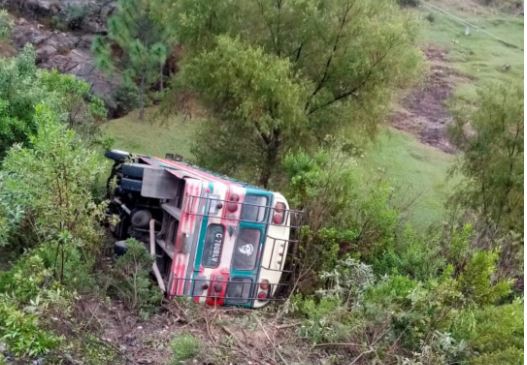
(73,16)
(27,293)
(51,184)
(6,24)
(21,332)
(22,87)
(131,280)
(184,347)
(477,281)
(412,3)
(344,215)
(493,334)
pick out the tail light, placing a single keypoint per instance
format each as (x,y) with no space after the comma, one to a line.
(279,213)
(265,289)
(217,289)
(264,285)
(232,204)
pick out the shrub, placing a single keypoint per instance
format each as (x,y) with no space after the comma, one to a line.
(184,347)
(131,279)
(412,3)
(6,24)
(19,92)
(413,254)
(52,183)
(344,216)
(430,17)
(73,16)
(75,103)
(493,334)
(477,281)
(27,291)
(21,332)
(22,87)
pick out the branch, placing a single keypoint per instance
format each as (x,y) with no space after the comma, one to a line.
(330,58)
(353,90)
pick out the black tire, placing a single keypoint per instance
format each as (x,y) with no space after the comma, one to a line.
(117,155)
(140,218)
(131,185)
(133,170)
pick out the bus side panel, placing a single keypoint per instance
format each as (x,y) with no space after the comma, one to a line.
(185,236)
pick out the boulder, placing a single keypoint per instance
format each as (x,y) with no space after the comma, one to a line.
(67,53)
(87,15)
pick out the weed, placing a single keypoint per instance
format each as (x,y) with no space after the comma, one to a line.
(184,347)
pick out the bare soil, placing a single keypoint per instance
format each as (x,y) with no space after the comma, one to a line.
(424,111)
(227,335)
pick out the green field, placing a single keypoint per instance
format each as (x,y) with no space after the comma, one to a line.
(418,173)
(479,56)
(152,136)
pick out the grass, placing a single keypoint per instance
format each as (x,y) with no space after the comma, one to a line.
(477,55)
(418,173)
(184,347)
(152,136)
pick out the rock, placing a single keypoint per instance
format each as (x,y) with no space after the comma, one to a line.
(87,15)
(67,53)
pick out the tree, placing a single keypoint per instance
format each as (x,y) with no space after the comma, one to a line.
(349,55)
(256,103)
(50,184)
(491,138)
(22,86)
(142,41)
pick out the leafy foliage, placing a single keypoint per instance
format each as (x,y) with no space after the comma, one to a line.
(131,279)
(51,184)
(346,56)
(26,292)
(136,29)
(81,110)
(6,24)
(22,87)
(491,137)
(184,347)
(264,108)
(19,92)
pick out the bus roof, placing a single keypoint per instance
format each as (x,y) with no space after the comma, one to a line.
(197,172)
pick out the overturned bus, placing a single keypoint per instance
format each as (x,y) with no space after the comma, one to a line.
(215,239)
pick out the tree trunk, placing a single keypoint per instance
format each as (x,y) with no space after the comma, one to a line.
(142,98)
(271,158)
(161,86)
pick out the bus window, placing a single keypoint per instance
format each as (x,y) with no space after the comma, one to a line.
(253,209)
(213,246)
(246,249)
(239,290)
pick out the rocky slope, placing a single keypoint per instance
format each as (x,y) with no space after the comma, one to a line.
(66,50)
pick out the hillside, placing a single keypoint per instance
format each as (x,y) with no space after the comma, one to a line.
(410,247)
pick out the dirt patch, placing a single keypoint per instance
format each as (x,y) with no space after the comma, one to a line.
(227,335)
(424,110)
